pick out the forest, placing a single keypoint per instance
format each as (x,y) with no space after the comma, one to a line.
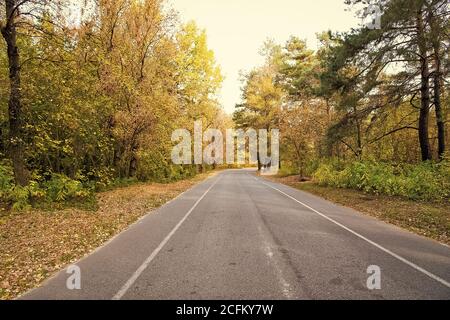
(368,110)
(92,90)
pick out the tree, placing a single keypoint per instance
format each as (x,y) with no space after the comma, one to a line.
(401,41)
(262,101)
(198,77)
(305,113)
(98,98)
(8,27)
(439,24)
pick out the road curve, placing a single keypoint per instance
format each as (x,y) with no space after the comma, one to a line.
(238,236)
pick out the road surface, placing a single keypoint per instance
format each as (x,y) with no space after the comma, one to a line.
(238,236)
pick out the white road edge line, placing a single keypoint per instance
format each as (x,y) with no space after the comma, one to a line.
(147,261)
(409,263)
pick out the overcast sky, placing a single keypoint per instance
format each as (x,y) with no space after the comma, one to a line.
(237,30)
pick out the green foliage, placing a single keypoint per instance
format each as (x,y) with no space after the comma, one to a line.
(155,167)
(287,171)
(60,188)
(426,181)
(99,102)
(57,189)
(19,197)
(6,179)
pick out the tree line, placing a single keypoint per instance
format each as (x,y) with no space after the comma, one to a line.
(370,93)
(91,90)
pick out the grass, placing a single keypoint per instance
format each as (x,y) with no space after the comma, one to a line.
(429,219)
(37,243)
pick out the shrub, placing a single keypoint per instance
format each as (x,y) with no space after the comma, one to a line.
(425,181)
(61,188)
(58,189)
(6,180)
(155,167)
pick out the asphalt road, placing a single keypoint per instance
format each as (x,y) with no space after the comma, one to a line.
(238,236)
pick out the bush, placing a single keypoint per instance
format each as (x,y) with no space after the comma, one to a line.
(286,171)
(51,188)
(58,189)
(6,180)
(155,167)
(426,181)
(61,188)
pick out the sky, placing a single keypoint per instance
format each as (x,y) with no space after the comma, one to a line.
(237,29)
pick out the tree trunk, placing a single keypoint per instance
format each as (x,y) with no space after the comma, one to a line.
(440,122)
(424,92)
(133,167)
(16,146)
(359,149)
(259,161)
(437,105)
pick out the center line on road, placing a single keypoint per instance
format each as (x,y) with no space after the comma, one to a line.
(147,261)
(409,263)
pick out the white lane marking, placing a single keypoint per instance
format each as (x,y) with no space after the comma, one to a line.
(286,287)
(409,263)
(271,251)
(147,261)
